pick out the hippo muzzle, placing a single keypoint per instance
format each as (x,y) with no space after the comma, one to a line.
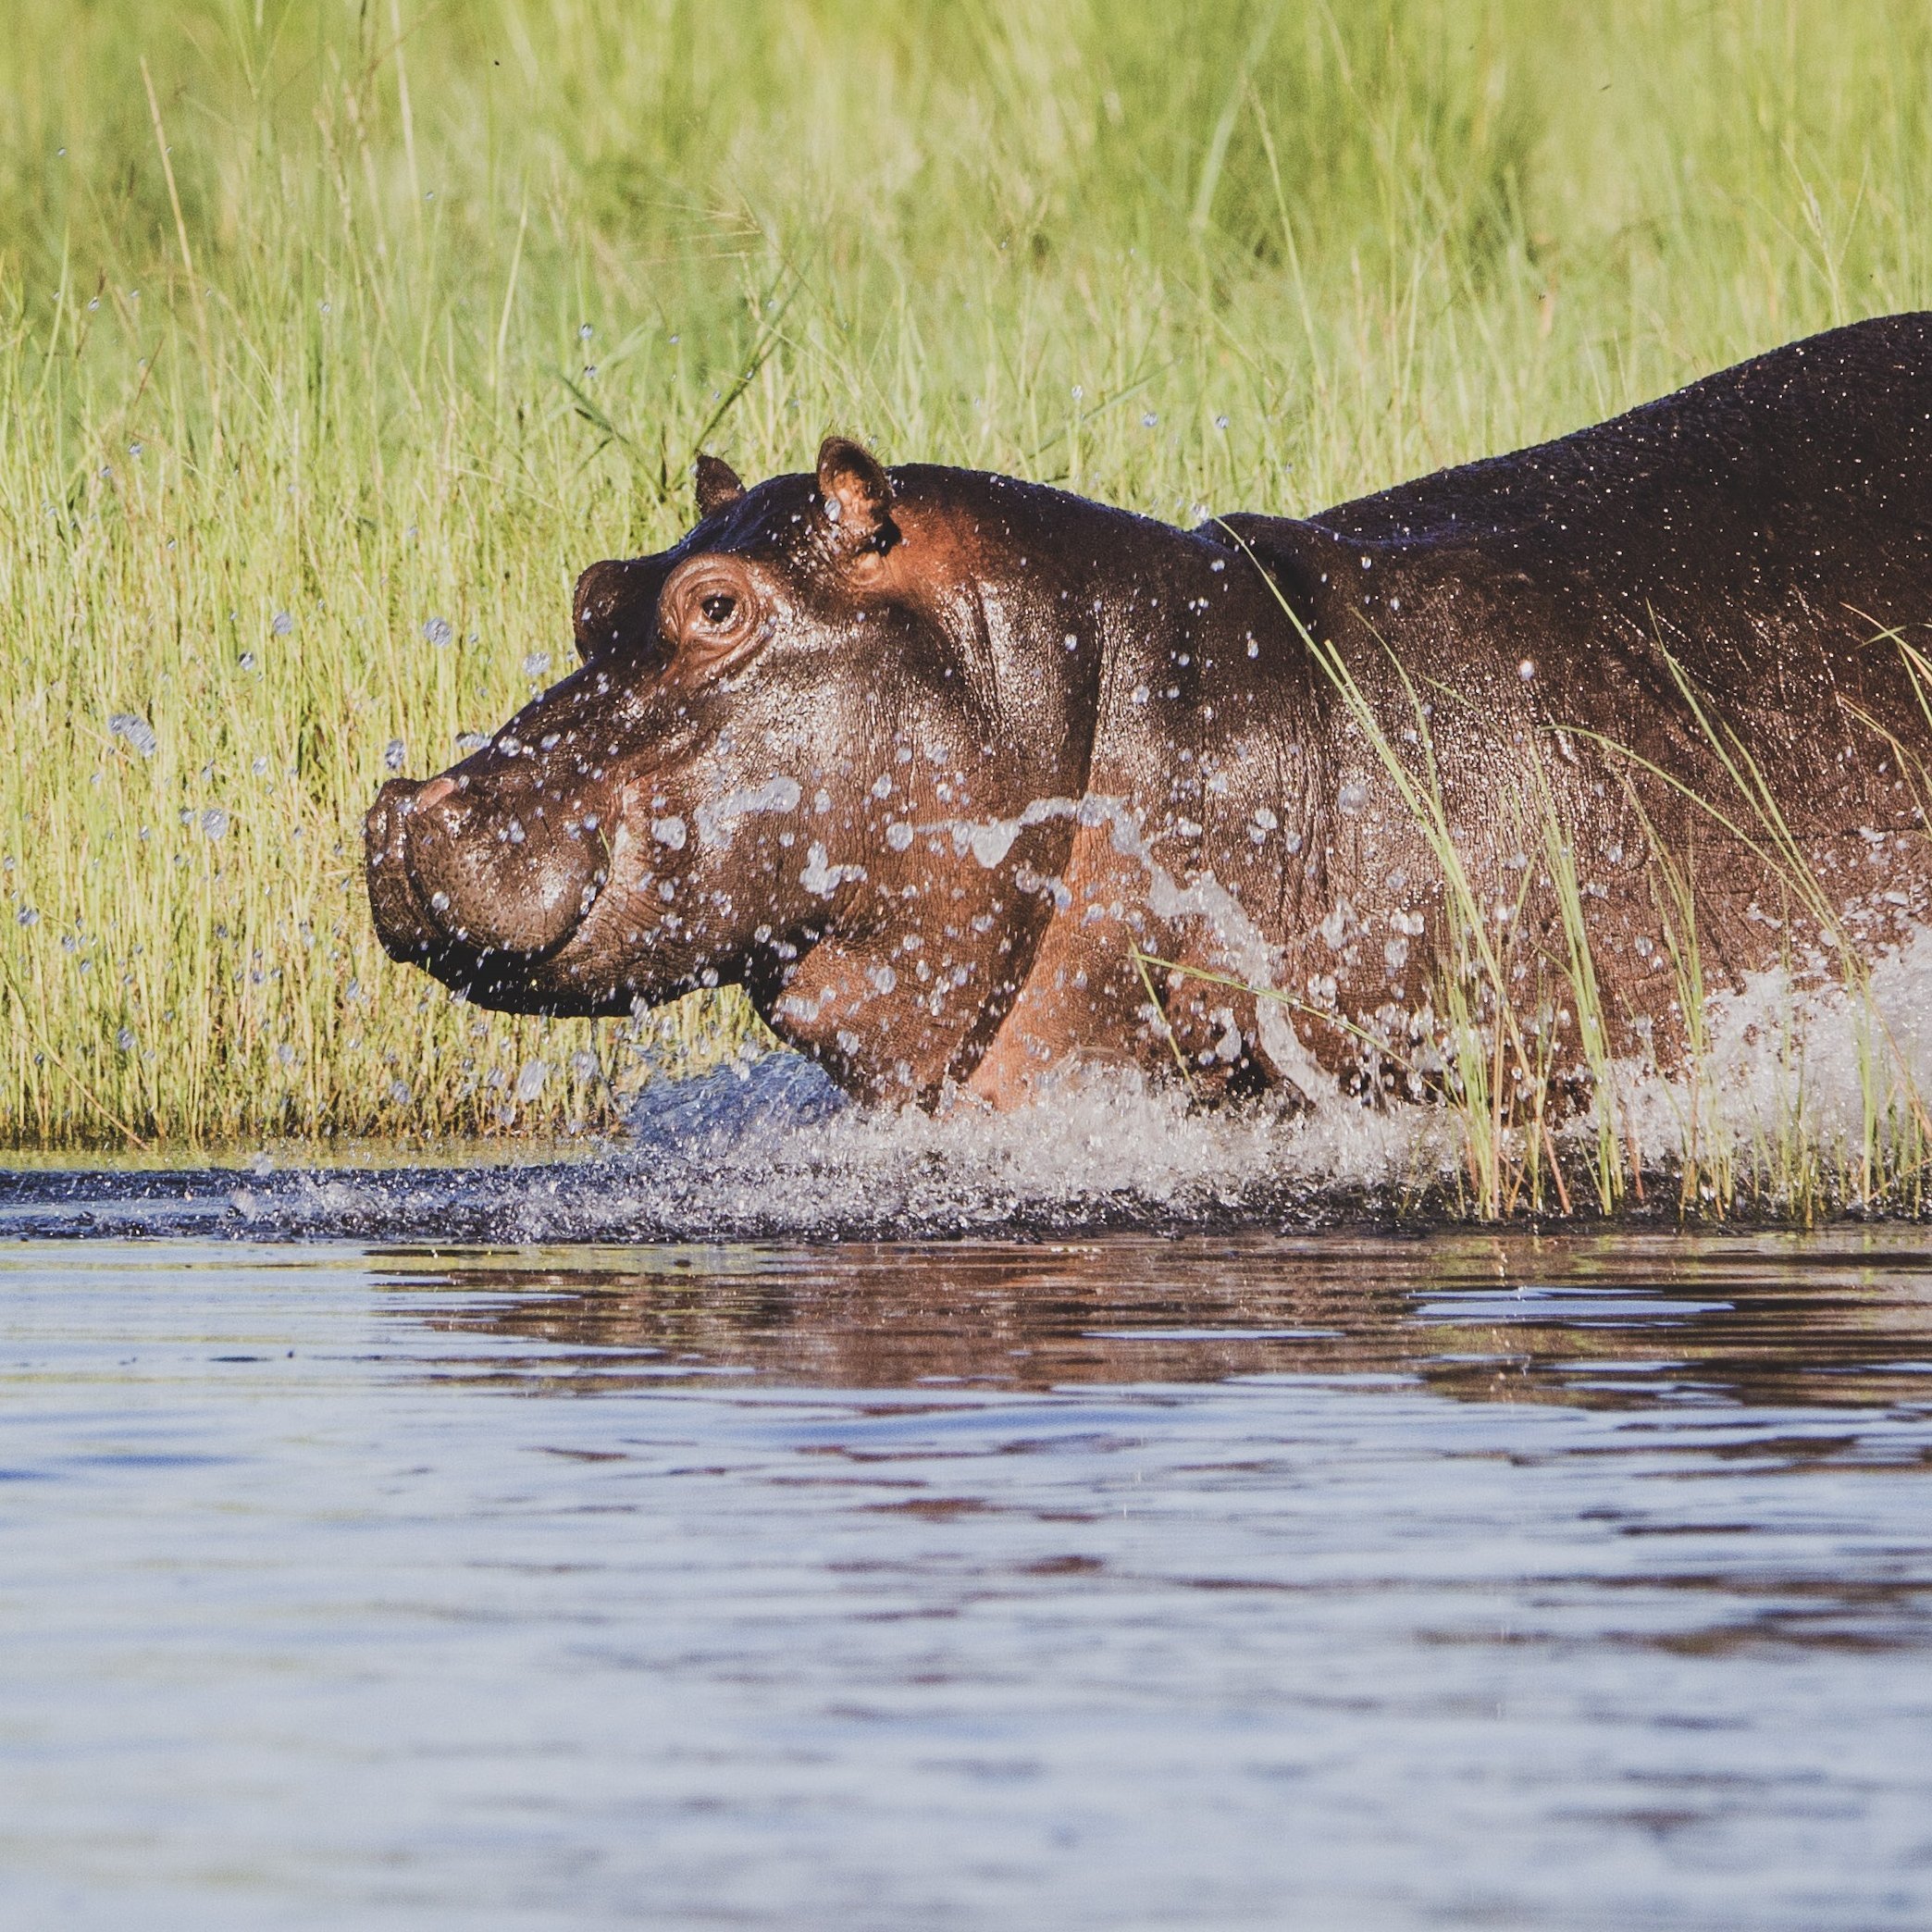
(482,888)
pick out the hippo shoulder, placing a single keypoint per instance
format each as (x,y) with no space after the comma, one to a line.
(1305,558)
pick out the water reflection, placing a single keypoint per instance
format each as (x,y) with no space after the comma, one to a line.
(1200,1582)
(1610,1321)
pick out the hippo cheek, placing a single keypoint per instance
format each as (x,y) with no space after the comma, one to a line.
(673,911)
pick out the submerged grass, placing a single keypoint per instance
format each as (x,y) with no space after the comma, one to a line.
(337,335)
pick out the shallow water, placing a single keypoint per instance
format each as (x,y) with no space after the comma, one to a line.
(1203,1580)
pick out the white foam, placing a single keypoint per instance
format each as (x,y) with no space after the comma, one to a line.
(1101,1144)
(767,1146)
(1808,1059)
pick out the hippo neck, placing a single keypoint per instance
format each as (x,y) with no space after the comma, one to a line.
(1053,596)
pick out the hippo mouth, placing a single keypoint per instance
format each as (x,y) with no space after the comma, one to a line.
(492,918)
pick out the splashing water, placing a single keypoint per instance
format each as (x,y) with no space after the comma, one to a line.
(1809,1060)
(773,1145)
(768,1146)
(136,730)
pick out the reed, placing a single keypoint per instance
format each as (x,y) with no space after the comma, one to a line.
(334,339)
(1513,1041)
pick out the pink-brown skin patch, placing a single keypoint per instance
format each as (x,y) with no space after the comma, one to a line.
(923,758)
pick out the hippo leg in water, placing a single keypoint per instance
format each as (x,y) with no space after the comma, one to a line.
(933,761)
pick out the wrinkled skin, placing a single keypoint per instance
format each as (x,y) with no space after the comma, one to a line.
(924,759)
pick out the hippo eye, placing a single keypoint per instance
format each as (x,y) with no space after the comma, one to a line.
(709,615)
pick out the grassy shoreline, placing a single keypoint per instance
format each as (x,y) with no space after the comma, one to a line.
(334,339)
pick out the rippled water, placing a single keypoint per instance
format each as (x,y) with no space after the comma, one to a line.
(1204,1580)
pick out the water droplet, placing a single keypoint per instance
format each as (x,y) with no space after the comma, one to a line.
(136,730)
(394,754)
(281,623)
(537,664)
(27,916)
(215,822)
(436,630)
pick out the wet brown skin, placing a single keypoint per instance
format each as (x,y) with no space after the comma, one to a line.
(921,757)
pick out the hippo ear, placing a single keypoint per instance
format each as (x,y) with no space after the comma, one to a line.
(857,491)
(717,486)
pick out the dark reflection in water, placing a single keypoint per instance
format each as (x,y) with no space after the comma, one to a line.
(1612,1320)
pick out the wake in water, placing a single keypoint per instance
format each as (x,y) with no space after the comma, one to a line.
(768,1148)
(1802,1074)
(769,1145)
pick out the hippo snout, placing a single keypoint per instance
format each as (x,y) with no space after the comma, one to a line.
(461,872)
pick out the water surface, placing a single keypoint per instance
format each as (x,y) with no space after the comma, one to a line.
(1194,1581)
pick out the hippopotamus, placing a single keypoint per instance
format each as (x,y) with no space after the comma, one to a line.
(969,782)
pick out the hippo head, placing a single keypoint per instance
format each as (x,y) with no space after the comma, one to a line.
(777,726)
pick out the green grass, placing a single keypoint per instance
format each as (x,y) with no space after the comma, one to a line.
(295,380)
